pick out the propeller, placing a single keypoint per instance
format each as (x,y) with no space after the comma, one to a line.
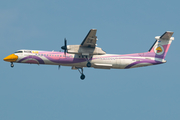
(65,46)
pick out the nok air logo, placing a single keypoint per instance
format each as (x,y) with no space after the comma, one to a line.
(159,50)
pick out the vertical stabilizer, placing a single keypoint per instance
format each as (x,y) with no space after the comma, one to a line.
(161,45)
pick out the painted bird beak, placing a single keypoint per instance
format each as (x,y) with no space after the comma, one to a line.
(11,58)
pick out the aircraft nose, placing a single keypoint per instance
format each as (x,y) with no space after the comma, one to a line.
(11,58)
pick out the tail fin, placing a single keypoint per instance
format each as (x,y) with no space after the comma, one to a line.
(161,45)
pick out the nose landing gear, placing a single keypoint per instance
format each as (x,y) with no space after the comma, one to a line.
(12,65)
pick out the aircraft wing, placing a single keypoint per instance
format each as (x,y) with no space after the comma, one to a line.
(90,39)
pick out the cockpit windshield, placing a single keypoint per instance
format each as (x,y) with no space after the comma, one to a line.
(18,52)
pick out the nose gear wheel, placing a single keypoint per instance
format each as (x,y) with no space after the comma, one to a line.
(12,65)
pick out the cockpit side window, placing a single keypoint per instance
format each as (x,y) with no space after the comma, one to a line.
(19,52)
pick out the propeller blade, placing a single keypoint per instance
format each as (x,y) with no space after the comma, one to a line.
(65,43)
(65,46)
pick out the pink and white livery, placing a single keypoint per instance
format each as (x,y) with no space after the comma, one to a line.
(88,55)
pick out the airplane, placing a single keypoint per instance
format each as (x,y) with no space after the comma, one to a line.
(87,54)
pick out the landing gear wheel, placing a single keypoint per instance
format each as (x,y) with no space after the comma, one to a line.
(12,65)
(81,72)
(88,64)
(82,77)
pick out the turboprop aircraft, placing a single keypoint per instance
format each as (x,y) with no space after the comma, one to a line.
(88,55)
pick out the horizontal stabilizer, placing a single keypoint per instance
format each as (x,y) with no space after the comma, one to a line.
(167,35)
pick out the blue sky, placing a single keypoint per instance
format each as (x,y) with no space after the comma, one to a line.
(126,26)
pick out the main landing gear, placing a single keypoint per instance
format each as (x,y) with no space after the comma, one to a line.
(81,72)
(88,64)
(88,61)
(12,65)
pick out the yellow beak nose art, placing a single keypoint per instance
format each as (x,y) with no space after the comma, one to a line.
(11,58)
(159,49)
